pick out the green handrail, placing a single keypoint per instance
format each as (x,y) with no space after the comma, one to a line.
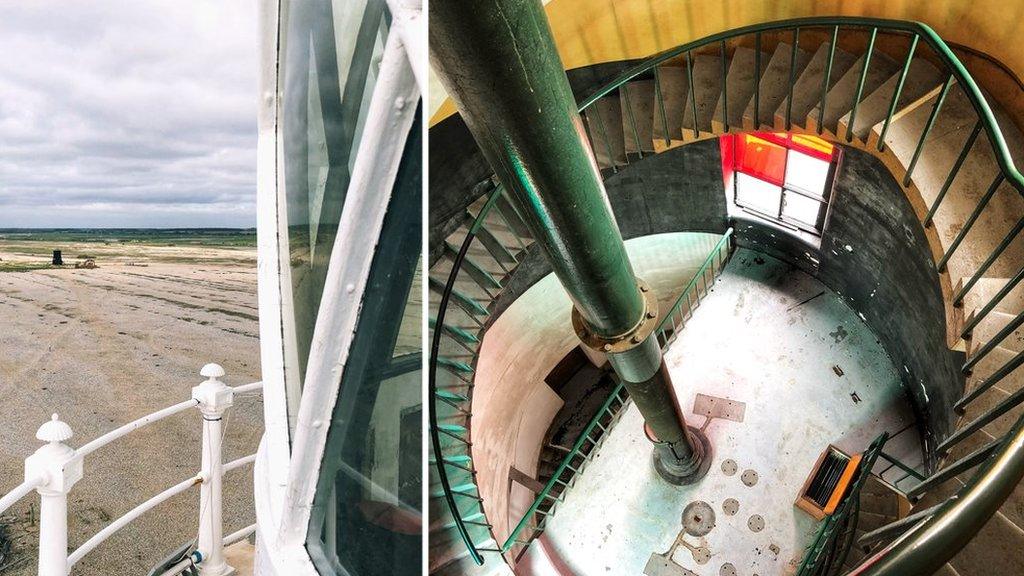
(724,242)
(573,453)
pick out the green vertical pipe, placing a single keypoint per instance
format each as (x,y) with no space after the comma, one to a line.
(825,79)
(860,84)
(896,94)
(498,61)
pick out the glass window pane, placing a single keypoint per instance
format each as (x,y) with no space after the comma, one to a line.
(802,209)
(328,69)
(366,518)
(757,194)
(806,173)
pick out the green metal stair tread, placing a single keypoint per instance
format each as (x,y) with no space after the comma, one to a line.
(604,122)
(468,304)
(637,102)
(774,84)
(674,91)
(450,396)
(495,247)
(923,82)
(477,273)
(706,89)
(456,365)
(456,332)
(839,100)
(807,88)
(739,83)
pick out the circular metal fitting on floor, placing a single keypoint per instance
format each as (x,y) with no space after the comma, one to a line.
(623,342)
(731,506)
(698,518)
(727,569)
(755,523)
(701,555)
(749,477)
(729,467)
(684,473)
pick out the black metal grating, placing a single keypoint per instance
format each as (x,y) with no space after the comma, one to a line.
(827,477)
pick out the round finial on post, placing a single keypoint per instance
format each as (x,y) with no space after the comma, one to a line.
(54,431)
(212,371)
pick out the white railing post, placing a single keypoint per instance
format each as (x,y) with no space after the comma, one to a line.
(57,467)
(214,398)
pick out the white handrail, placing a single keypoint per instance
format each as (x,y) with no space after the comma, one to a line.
(134,513)
(19,492)
(135,425)
(245,388)
(239,463)
(242,534)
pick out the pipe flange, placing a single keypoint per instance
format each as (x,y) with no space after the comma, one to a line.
(624,342)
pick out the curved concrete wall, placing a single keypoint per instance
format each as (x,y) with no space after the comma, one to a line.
(512,405)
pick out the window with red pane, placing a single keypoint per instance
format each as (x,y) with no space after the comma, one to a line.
(783,177)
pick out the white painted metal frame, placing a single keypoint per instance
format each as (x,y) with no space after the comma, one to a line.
(283,506)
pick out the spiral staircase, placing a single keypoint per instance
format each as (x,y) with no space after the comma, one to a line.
(893,89)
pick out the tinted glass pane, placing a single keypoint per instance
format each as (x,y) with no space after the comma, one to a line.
(366,517)
(328,69)
(760,158)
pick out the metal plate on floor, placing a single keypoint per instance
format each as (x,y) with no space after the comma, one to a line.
(715,407)
(755,523)
(727,569)
(749,477)
(731,506)
(658,565)
(698,518)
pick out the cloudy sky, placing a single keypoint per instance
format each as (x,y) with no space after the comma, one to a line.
(137,113)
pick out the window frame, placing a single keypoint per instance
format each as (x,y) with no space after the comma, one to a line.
(780,219)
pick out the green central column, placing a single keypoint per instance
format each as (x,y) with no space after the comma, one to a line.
(498,61)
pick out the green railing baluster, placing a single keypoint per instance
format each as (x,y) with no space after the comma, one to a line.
(958,299)
(604,135)
(792,78)
(693,93)
(757,80)
(968,145)
(632,121)
(661,106)
(1011,402)
(970,222)
(927,128)
(981,314)
(725,95)
(896,94)
(860,85)
(993,342)
(993,379)
(963,464)
(825,80)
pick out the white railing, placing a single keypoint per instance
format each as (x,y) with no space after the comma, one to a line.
(56,467)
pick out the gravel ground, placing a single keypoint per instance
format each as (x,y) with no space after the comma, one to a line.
(103,347)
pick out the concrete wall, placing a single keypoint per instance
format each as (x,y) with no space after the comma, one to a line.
(888,278)
(512,405)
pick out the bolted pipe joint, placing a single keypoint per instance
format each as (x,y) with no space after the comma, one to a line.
(682,454)
(55,468)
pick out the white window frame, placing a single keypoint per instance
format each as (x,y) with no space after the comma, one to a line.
(288,465)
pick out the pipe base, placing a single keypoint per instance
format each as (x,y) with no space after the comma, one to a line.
(683,472)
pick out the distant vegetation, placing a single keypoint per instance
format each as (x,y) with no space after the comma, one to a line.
(214,237)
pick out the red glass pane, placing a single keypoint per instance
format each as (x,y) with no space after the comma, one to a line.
(760,158)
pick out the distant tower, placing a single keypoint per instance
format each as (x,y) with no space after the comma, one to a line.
(57,260)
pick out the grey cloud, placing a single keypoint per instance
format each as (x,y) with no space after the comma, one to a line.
(135,113)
